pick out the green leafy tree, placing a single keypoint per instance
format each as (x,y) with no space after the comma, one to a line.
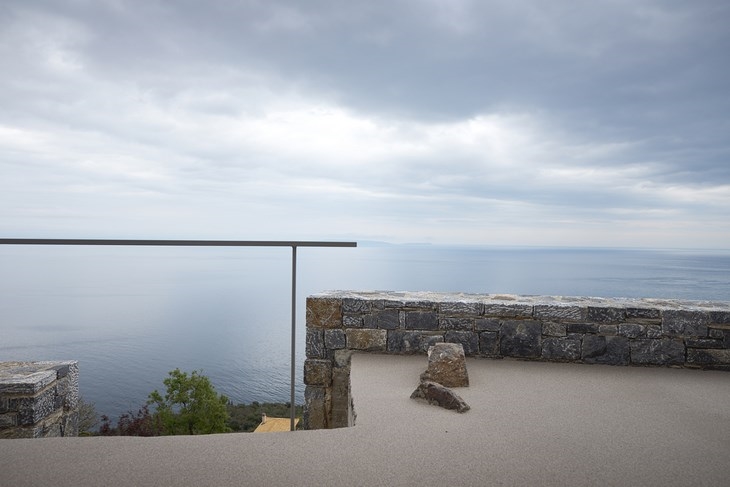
(191,406)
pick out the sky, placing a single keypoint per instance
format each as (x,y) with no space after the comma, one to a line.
(495,122)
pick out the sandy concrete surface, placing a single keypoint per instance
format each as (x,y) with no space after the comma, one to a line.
(529,424)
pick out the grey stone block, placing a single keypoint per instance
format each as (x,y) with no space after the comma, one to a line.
(489,344)
(720,317)
(704,343)
(352,321)
(386,320)
(521,338)
(642,313)
(419,320)
(508,310)
(469,340)
(550,328)
(582,328)
(567,348)
(708,357)
(353,305)
(630,330)
(664,351)
(410,342)
(600,314)
(460,309)
(598,349)
(314,343)
(685,323)
(334,339)
(560,312)
(608,330)
(487,324)
(456,323)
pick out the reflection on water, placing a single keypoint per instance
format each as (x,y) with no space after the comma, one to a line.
(129,315)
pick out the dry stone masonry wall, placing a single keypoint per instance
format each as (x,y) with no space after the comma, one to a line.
(39,399)
(642,332)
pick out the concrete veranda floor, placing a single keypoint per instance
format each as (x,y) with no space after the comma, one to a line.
(530,423)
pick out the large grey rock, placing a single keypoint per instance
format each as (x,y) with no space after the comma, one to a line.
(441,396)
(447,365)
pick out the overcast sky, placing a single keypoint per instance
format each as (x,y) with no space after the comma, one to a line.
(507,122)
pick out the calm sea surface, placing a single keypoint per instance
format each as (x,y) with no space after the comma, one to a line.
(129,315)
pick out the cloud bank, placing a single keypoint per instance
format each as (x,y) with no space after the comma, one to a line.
(500,122)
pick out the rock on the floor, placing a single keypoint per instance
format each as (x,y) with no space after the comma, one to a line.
(440,395)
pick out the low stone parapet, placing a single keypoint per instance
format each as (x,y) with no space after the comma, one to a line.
(39,399)
(642,332)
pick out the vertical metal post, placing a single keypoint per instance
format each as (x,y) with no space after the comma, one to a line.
(293,329)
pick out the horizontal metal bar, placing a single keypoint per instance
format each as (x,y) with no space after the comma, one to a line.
(173,243)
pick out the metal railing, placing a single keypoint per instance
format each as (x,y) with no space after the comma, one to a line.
(294,244)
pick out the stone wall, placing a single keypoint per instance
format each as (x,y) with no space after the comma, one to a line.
(642,332)
(39,399)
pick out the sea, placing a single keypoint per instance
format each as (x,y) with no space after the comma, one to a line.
(129,315)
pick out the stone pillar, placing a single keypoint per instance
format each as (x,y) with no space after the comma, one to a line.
(39,399)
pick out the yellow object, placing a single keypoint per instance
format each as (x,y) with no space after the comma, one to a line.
(273,425)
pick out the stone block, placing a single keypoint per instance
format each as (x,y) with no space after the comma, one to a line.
(508,310)
(605,314)
(447,365)
(334,339)
(387,319)
(642,313)
(708,357)
(720,317)
(685,323)
(352,321)
(550,328)
(560,312)
(607,330)
(8,420)
(631,330)
(469,340)
(489,344)
(704,343)
(460,309)
(316,408)
(521,338)
(664,351)
(314,343)
(419,320)
(598,349)
(324,313)
(582,328)
(717,333)
(366,339)
(318,372)
(410,342)
(341,358)
(354,305)
(567,348)
(487,324)
(456,323)
(653,331)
